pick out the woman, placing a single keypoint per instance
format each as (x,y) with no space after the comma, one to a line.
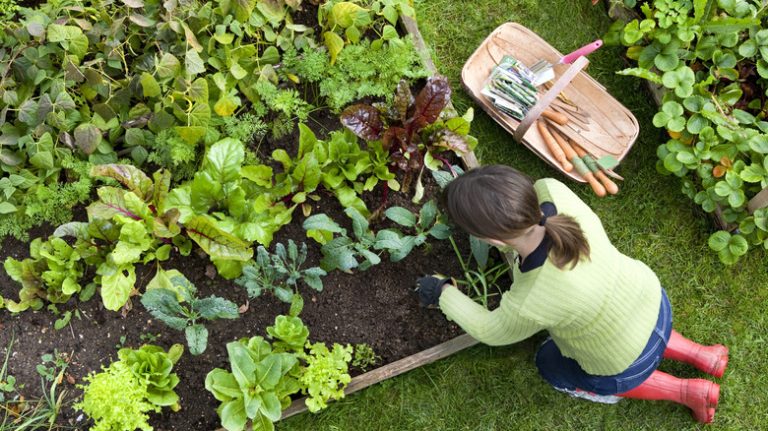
(608,318)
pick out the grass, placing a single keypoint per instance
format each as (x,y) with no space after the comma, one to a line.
(488,388)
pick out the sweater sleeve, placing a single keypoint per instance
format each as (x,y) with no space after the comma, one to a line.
(495,328)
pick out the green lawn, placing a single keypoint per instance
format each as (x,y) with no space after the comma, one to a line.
(498,388)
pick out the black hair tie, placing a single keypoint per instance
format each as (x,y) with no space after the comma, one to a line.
(543,220)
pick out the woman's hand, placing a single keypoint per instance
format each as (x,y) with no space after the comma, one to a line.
(430,287)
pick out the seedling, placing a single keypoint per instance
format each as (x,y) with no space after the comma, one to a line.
(427,224)
(280,272)
(481,281)
(364,357)
(343,253)
(178,307)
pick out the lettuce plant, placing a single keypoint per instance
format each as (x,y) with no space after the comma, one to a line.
(171,298)
(326,374)
(122,395)
(258,387)
(151,364)
(290,332)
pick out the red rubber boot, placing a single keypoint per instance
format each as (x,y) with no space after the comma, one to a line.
(699,395)
(710,359)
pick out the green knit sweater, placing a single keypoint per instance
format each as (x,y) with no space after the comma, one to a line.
(600,313)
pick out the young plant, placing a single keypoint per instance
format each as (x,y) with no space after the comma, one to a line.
(258,387)
(21,414)
(410,130)
(122,395)
(154,366)
(326,374)
(483,280)
(280,272)
(364,357)
(172,299)
(427,224)
(343,252)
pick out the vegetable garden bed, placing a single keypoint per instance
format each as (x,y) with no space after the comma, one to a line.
(376,307)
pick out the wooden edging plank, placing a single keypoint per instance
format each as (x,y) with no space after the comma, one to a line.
(394,369)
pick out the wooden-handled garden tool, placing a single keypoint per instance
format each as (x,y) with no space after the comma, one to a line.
(554,148)
(579,163)
(591,163)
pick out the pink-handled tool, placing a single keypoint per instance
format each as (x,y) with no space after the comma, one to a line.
(543,70)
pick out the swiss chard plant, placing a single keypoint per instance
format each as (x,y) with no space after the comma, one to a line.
(172,299)
(711,58)
(398,244)
(343,252)
(280,272)
(411,129)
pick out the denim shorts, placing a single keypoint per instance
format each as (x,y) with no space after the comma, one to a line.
(565,374)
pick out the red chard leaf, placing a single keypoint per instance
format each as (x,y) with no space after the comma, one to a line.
(430,103)
(364,121)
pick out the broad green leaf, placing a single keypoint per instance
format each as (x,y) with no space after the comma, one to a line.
(222,385)
(168,66)
(130,176)
(232,413)
(334,43)
(149,85)
(217,243)
(193,63)
(198,91)
(243,366)
(224,159)
(116,288)
(197,339)
(322,222)
(401,216)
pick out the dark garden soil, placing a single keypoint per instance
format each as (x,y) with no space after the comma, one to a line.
(377,307)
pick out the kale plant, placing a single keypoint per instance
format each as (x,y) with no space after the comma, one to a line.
(171,298)
(280,272)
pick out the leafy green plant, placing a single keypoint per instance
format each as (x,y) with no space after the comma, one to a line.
(709,57)
(258,387)
(343,252)
(154,366)
(290,333)
(7,382)
(370,69)
(326,374)
(280,272)
(8,9)
(51,273)
(364,357)
(410,129)
(171,298)
(116,399)
(122,395)
(427,224)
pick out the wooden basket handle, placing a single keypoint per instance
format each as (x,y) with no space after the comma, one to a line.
(543,103)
